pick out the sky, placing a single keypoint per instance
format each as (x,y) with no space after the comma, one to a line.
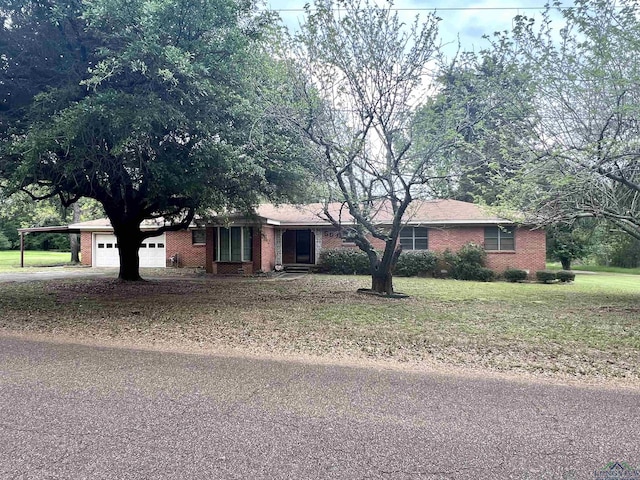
(469,20)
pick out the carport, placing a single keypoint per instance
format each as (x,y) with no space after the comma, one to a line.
(55,229)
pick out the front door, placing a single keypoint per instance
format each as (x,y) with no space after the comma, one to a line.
(303,246)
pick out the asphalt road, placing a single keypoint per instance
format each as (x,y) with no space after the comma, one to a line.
(76,412)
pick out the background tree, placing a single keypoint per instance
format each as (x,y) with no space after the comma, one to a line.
(147,107)
(20,211)
(582,159)
(481,83)
(569,242)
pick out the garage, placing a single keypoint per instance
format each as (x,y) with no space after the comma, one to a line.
(152,251)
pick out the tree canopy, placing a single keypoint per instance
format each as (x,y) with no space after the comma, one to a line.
(582,158)
(151,108)
(384,129)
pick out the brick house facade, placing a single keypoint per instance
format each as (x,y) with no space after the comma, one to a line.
(287,235)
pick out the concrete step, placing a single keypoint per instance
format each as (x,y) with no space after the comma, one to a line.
(297,268)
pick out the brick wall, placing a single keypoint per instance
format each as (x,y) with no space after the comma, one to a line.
(331,239)
(232,268)
(85,248)
(189,255)
(529,255)
(210,254)
(264,248)
(530,251)
(454,238)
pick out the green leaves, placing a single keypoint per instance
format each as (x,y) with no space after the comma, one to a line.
(150,107)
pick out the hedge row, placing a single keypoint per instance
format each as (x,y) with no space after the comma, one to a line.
(466,264)
(344,262)
(547,276)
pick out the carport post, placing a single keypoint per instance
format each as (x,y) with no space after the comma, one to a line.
(21,249)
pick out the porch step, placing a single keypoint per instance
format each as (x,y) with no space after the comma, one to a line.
(297,268)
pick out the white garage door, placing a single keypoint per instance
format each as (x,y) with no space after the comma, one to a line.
(152,251)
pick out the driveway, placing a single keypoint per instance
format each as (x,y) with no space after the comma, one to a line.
(55,273)
(69,411)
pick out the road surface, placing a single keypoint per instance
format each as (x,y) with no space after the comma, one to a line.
(84,412)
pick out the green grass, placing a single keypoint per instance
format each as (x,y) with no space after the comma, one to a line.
(10,259)
(595,268)
(590,327)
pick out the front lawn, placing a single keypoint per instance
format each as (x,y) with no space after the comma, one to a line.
(10,259)
(590,328)
(595,268)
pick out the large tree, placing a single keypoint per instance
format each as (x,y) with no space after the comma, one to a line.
(382,128)
(582,158)
(148,107)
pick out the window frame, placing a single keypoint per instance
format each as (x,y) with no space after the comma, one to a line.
(204,234)
(246,244)
(414,237)
(506,233)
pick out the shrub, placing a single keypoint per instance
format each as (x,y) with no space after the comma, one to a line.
(472,254)
(416,263)
(514,275)
(473,272)
(468,263)
(545,276)
(344,262)
(565,276)
(447,261)
(484,274)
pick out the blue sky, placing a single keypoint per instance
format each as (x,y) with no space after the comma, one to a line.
(468,19)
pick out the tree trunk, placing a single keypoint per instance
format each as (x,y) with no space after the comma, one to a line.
(128,248)
(566,263)
(74,238)
(382,282)
(381,276)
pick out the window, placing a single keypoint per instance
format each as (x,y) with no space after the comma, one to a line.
(198,236)
(414,238)
(234,244)
(347,236)
(499,238)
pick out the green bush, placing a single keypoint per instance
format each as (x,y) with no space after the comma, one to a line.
(344,262)
(565,276)
(472,254)
(484,274)
(416,263)
(5,244)
(468,263)
(545,276)
(514,275)
(473,272)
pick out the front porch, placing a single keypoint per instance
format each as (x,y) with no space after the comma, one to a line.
(298,249)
